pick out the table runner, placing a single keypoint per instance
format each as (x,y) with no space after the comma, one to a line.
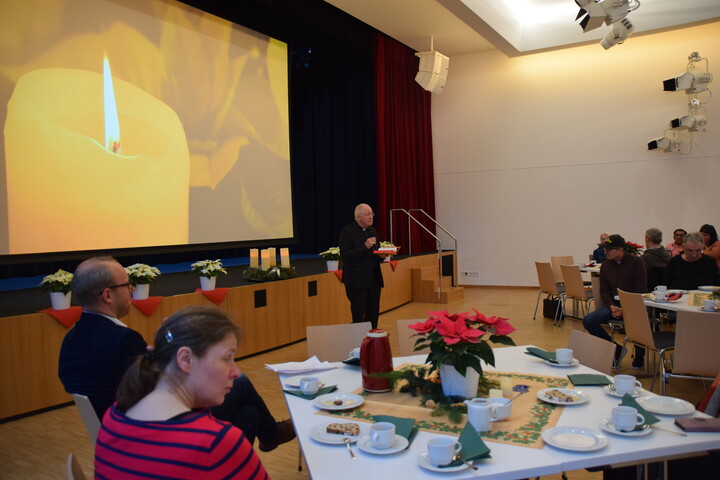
(529,415)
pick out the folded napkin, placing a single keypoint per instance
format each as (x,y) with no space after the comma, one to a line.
(352,361)
(540,353)
(629,401)
(309,365)
(473,447)
(674,296)
(321,391)
(579,379)
(405,427)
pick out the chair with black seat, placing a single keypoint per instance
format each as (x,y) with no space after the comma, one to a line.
(549,287)
(638,331)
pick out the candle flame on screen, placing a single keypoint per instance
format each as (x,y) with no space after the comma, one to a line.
(112,126)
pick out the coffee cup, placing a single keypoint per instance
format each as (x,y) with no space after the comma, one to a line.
(709,305)
(309,385)
(502,406)
(441,450)
(660,288)
(626,384)
(354,353)
(626,418)
(382,435)
(660,296)
(564,356)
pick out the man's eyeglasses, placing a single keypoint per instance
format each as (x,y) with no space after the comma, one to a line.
(130,286)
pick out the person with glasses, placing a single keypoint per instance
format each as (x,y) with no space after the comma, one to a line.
(676,247)
(99,348)
(693,268)
(362,275)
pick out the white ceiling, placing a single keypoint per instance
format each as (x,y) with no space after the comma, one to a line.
(515,27)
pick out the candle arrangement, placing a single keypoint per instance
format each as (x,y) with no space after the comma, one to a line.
(263,265)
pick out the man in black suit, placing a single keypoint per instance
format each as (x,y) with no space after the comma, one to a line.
(361,266)
(96,352)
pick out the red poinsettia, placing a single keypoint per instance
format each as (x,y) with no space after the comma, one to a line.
(457,338)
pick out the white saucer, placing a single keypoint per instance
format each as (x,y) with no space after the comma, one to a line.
(638,392)
(577,439)
(666,405)
(423,461)
(327,401)
(399,444)
(709,288)
(574,363)
(319,434)
(607,425)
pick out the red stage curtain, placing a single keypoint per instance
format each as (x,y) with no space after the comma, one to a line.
(404,144)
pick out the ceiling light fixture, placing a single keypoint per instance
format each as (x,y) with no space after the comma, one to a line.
(593,13)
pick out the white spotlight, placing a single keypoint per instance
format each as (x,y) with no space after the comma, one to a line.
(697,123)
(688,81)
(665,143)
(619,33)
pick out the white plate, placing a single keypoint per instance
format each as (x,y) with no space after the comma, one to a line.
(574,362)
(425,463)
(674,291)
(607,425)
(666,405)
(399,444)
(578,439)
(319,434)
(709,288)
(568,391)
(639,391)
(327,401)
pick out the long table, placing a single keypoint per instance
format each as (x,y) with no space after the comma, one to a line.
(507,461)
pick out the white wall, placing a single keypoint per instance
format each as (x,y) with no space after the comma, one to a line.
(536,155)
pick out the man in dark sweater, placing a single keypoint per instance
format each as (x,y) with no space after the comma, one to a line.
(692,268)
(655,257)
(620,270)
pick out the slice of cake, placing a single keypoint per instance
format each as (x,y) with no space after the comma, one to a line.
(344,429)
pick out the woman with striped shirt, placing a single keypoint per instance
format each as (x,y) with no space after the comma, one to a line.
(160,426)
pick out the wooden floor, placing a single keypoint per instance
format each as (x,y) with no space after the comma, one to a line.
(36,447)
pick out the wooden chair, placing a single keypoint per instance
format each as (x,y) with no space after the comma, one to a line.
(696,334)
(575,289)
(406,340)
(593,352)
(549,287)
(556,262)
(89,417)
(74,470)
(332,343)
(638,331)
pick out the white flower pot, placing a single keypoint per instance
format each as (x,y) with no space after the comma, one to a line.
(60,301)
(141,292)
(332,265)
(207,283)
(455,384)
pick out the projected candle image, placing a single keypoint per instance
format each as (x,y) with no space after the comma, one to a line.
(68,175)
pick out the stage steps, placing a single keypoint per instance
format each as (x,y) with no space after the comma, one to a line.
(424,282)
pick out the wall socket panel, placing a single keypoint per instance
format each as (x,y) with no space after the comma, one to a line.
(471,274)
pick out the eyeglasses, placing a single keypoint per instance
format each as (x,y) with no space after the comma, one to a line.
(678,234)
(130,286)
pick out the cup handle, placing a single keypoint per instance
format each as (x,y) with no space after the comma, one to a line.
(638,384)
(458,447)
(641,419)
(495,414)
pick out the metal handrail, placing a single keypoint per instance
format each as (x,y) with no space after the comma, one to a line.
(411,218)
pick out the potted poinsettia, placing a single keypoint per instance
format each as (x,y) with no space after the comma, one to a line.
(58,284)
(142,276)
(457,347)
(633,248)
(332,257)
(208,271)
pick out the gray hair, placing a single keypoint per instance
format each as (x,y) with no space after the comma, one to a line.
(360,207)
(90,277)
(694,237)
(654,235)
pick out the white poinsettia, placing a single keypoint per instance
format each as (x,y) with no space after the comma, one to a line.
(208,268)
(139,273)
(332,253)
(58,281)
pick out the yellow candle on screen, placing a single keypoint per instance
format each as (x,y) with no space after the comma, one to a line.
(253,258)
(285,257)
(66,191)
(273,256)
(265,259)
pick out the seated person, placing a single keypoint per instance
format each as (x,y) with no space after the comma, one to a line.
(96,352)
(599,253)
(160,426)
(692,268)
(676,246)
(712,244)
(655,257)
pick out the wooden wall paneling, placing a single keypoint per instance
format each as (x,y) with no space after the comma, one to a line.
(263,327)
(298,304)
(146,326)
(397,289)
(330,306)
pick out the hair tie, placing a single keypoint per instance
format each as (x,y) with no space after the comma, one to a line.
(168,336)
(149,356)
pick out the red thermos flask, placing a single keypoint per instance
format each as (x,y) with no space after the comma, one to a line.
(375,357)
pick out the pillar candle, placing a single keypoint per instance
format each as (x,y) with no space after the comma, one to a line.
(273,256)
(265,259)
(285,257)
(62,180)
(506,386)
(253,258)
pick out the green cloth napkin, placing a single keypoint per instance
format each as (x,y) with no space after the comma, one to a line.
(629,401)
(352,361)
(322,391)
(404,427)
(579,379)
(473,447)
(540,353)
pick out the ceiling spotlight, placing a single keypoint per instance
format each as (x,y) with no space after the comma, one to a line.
(619,33)
(592,14)
(665,143)
(697,123)
(688,81)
